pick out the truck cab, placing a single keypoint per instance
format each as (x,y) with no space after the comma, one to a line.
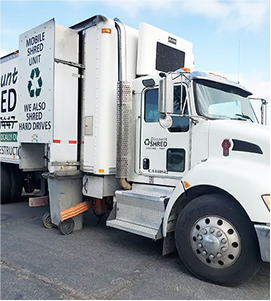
(201,103)
(195,145)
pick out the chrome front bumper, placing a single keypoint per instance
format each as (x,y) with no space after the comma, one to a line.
(263,233)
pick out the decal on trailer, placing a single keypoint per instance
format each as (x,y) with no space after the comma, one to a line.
(37,84)
(9,113)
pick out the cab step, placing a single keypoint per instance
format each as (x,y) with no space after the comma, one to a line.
(140,210)
(133,228)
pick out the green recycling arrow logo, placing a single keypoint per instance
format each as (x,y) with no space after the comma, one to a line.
(35,76)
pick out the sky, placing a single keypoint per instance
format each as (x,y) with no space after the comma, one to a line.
(230,37)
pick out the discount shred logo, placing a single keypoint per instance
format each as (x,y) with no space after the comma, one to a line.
(35,83)
(155,143)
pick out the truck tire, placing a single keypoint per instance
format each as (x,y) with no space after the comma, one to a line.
(5,184)
(28,184)
(216,240)
(16,183)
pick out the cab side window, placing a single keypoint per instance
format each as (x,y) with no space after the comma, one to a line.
(151,106)
(176,160)
(180,124)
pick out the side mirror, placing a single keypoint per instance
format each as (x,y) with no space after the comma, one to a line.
(263,109)
(264,112)
(166,93)
(165,102)
(165,121)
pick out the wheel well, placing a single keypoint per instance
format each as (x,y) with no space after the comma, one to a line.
(197,191)
(188,196)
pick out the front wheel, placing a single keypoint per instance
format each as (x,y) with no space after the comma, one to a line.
(216,240)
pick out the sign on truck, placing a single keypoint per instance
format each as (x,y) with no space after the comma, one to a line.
(9,109)
(37,65)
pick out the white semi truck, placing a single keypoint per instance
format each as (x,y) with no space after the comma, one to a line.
(105,117)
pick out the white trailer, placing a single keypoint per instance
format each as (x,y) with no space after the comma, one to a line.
(116,121)
(11,177)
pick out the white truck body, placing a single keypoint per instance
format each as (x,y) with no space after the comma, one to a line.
(112,123)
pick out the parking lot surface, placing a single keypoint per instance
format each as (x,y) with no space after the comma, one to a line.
(99,263)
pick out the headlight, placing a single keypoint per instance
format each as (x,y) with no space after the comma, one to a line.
(266,199)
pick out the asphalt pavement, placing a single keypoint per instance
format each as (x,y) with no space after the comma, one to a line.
(98,262)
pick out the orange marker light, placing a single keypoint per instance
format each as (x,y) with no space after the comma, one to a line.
(217,75)
(186,184)
(186,69)
(106,30)
(101,170)
(266,199)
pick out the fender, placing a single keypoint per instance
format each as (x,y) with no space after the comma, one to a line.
(241,182)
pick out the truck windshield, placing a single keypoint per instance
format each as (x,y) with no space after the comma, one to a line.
(219,101)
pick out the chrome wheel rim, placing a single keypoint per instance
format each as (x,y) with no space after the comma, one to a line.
(215,242)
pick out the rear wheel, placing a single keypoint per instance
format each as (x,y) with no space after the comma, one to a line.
(216,240)
(16,183)
(5,184)
(28,183)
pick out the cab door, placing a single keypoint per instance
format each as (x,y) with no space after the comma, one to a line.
(164,152)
